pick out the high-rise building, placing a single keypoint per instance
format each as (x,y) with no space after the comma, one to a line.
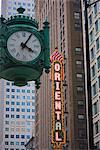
(66,34)
(94,50)
(9,7)
(17,104)
(17,115)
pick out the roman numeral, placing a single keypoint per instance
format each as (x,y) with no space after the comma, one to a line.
(36,46)
(11,44)
(30,56)
(17,35)
(34,40)
(13,39)
(17,55)
(23,34)
(13,50)
(24,57)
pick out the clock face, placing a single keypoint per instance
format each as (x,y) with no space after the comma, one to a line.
(23,46)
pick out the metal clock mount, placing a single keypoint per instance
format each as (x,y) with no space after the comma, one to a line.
(24,50)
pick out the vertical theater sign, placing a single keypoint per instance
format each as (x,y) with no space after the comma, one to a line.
(57,77)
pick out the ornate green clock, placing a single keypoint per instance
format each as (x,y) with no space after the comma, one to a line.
(24,50)
(23,46)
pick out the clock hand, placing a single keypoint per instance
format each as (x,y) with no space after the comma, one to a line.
(24,44)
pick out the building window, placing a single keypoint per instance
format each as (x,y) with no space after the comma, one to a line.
(23,91)
(6,129)
(17,143)
(12,96)
(7,83)
(93,71)
(28,110)
(79,89)
(12,116)
(18,90)
(92,53)
(97,145)
(13,90)
(17,116)
(33,104)
(82,146)
(90,20)
(96,26)
(28,103)
(94,89)
(97,44)
(91,36)
(96,127)
(12,109)
(6,143)
(95,108)
(98,62)
(28,136)
(81,116)
(79,63)
(22,143)
(23,116)
(99,81)
(33,117)
(6,136)
(17,103)
(28,91)
(81,133)
(17,109)
(23,97)
(22,136)
(23,103)
(33,91)
(28,97)
(7,102)
(33,110)
(7,90)
(7,115)
(17,136)
(76,15)
(7,96)
(6,122)
(11,143)
(18,97)
(12,136)
(95,9)
(80,102)
(23,110)
(77,26)
(7,109)
(12,103)
(79,76)
(78,49)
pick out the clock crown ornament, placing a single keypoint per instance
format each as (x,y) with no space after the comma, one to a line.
(24,49)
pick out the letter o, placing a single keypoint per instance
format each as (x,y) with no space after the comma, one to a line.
(57,67)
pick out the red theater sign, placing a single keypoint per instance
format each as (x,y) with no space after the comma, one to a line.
(57,77)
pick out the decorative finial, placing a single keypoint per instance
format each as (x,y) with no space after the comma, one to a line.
(20,10)
(46,23)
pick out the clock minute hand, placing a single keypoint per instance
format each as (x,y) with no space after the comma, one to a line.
(24,44)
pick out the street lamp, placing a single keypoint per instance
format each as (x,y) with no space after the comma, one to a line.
(90,120)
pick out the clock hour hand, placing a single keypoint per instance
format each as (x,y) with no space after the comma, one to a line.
(24,44)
